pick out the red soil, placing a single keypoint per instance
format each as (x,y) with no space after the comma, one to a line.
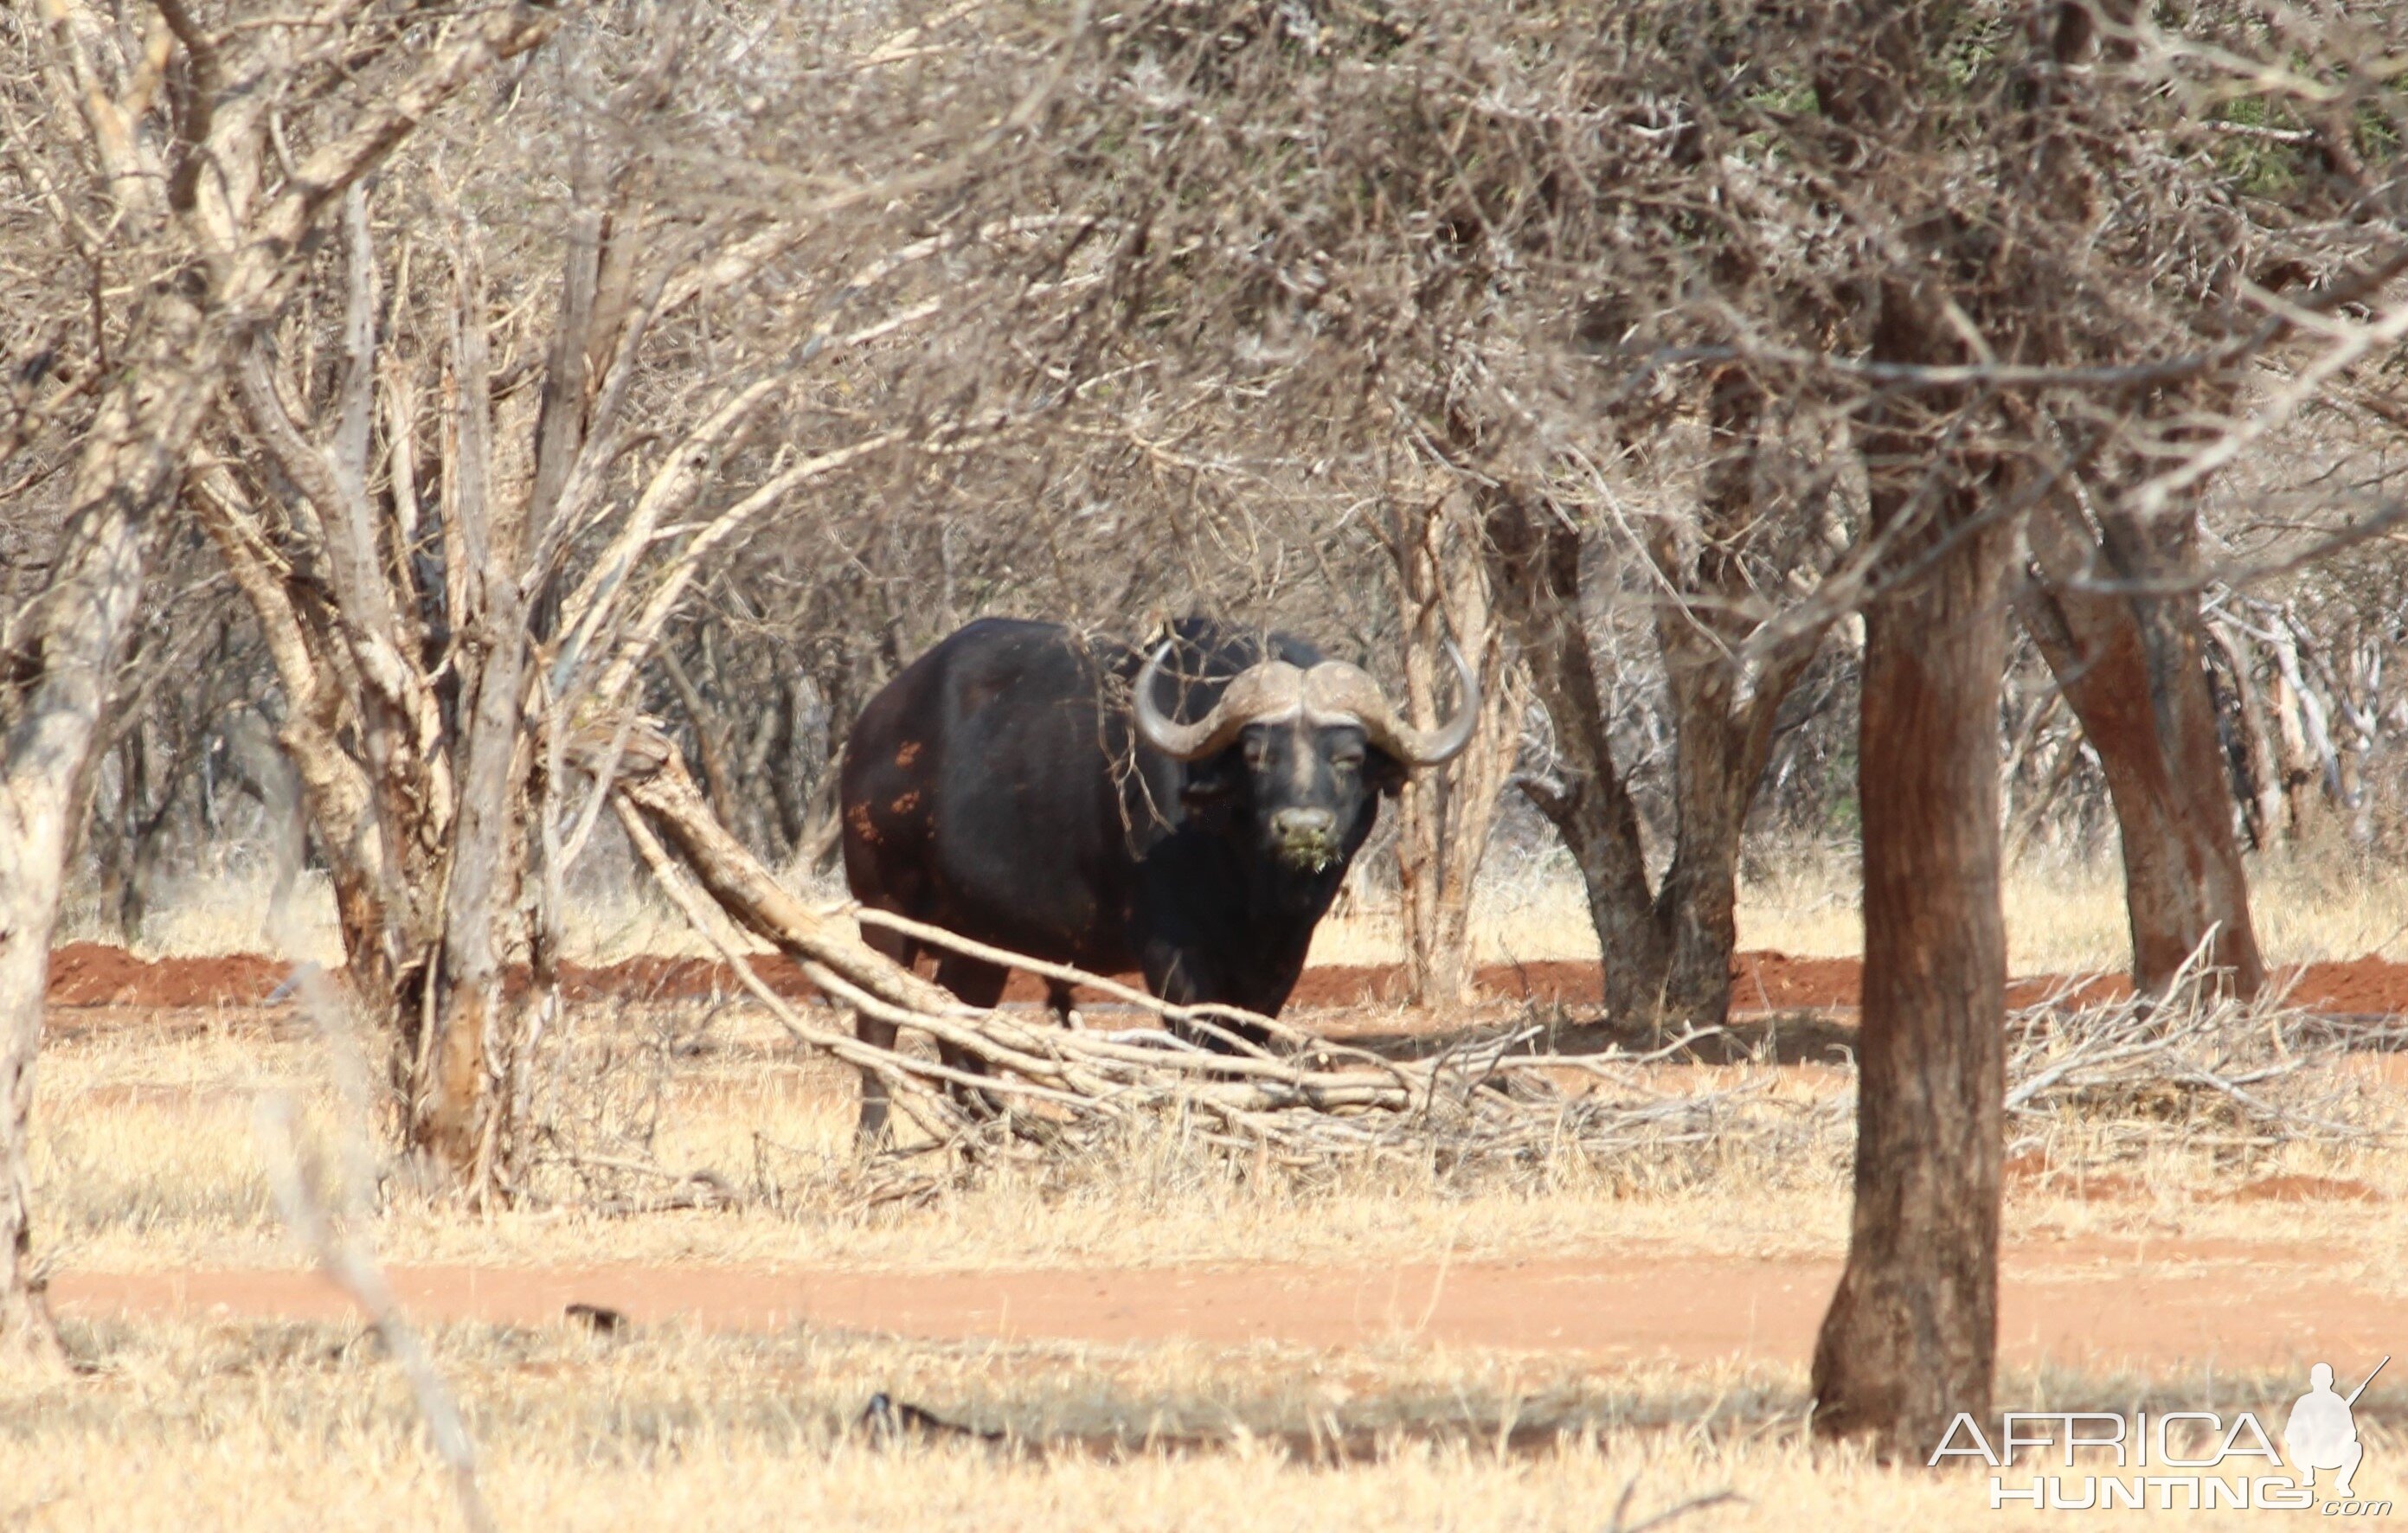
(88,974)
(2076,1303)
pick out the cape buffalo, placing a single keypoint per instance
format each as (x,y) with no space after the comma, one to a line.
(1187,815)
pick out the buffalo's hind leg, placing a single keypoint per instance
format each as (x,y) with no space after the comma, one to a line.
(877,1034)
(976,983)
(1058,1001)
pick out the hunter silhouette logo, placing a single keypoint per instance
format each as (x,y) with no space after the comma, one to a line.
(2187,1460)
(2322,1434)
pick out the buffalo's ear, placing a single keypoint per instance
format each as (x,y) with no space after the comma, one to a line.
(1383,773)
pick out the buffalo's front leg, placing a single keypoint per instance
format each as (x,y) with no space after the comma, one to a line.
(1058,1000)
(1181,977)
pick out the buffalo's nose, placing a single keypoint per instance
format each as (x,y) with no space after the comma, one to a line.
(1302,824)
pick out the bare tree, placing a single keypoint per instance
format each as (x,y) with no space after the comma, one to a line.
(1668,942)
(454,558)
(201,210)
(409,692)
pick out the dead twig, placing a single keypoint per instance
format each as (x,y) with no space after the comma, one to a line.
(2191,1054)
(351,1269)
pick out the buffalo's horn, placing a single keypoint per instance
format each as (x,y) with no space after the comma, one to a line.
(1266,693)
(1334,692)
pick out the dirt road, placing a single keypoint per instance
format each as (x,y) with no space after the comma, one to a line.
(2088,1304)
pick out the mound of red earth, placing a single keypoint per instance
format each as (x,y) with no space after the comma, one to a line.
(90,974)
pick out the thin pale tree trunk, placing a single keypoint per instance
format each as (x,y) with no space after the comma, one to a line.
(460,1109)
(55,673)
(1443,819)
(2262,799)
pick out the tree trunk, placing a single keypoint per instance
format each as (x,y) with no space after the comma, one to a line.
(1911,1334)
(1534,556)
(2262,800)
(2134,669)
(1667,952)
(1718,759)
(711,744)
(28,910)
(1443,819)
(2311,770)
(55,675)
(363,723)
(456,1114)
(1723,708)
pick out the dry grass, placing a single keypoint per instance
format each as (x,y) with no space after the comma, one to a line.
(2063,915)
(148,1157)
(303,1426)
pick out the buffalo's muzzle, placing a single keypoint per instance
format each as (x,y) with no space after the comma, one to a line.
(1305,839)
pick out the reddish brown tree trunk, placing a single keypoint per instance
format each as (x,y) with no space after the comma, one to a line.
(2134,667)
(1913,1330)
(1911,1335)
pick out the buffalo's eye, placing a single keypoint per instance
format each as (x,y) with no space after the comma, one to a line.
(1255,750)
(1346,760)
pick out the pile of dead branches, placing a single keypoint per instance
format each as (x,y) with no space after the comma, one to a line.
(2196,1062)
(1300,1100)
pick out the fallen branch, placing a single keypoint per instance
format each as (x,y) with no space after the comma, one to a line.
(1488,1098)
